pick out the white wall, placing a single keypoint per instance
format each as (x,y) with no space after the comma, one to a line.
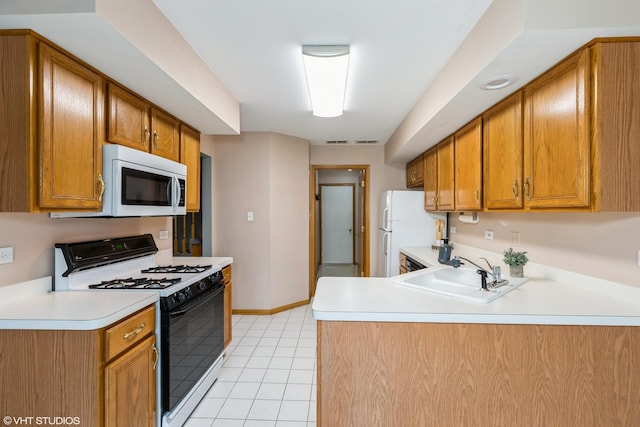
(33,236)
(603,245)
(268,174)
(383,177)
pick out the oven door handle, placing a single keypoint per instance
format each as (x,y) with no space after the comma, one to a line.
(207,297)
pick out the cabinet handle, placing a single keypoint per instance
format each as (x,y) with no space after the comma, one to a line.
(155,138)
(147,134)
(525,188)
(476,195)
(435,200)
(134,332)
(156,356)
(515,189)
(102,187)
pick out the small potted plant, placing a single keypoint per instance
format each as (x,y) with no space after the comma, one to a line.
(516,261)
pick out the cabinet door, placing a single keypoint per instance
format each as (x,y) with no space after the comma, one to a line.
(165,138)
(71,133)
(130,387)
(128,119)
(414,172)
(430,174)
(446,183)
(228,320)
(190,156)
(468,166)
(502,146)
(557,136)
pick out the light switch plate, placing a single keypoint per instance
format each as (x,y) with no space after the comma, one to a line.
(250,216)
(488,234)
(164,234)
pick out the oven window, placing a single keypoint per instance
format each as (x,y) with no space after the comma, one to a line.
(193,341)
(145,188)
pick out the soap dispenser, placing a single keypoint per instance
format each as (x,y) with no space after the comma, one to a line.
(444,254)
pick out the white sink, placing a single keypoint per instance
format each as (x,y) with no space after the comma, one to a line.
(462,283)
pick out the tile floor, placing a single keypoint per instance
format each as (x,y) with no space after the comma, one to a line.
(268,377)
(338,270)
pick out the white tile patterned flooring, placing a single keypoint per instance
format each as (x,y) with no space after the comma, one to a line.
(268,378)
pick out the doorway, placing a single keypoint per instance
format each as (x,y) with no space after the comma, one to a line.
(330,177)
(337,223)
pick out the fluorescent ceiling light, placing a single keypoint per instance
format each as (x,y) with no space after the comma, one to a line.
(326,68)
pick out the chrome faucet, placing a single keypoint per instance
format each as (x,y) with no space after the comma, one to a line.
(444,257)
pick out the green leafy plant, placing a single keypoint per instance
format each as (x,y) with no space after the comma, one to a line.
(512,257)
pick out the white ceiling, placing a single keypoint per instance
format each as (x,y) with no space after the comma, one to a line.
(415,70)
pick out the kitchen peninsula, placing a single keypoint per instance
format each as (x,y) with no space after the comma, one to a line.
(551,353)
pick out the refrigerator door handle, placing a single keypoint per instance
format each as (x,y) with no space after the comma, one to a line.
(385,218)
(385,240)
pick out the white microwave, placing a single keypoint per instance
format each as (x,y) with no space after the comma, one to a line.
(138,183)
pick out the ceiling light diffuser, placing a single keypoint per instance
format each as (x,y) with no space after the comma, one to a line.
(326,68)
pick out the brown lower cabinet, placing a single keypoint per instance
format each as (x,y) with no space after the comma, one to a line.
(452,375)
(103,377)
(228,324)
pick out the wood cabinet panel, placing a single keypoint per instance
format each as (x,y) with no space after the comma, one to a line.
(68,373)
(477,375)
(71,133)
(51,373)
(557,139)
(165,137)
(430,174)
(446,175)
(503,154)
(468,166)
(127,333)
(190,156)
(228,309)
(128,119)
(616,125)
(130,387)
(414,173)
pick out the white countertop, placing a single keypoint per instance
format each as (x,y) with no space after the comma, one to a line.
(549,297)
(31,305)
(166,257)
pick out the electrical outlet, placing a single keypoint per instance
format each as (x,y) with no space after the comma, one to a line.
(488,234)
(515,237)
(452,230)
(250,216)
(164,234)
(6,255)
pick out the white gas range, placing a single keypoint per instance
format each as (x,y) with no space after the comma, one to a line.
(189,315)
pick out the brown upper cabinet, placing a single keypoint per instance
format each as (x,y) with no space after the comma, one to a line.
(568,141)
(52,128)
(190,156)
(557,140)
(134,122)
(503,154)
(414,171)
(439,177)
(468,166)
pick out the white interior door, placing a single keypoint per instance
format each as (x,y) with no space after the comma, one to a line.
(337,222)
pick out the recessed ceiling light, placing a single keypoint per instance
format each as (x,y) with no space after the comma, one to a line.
(497,82)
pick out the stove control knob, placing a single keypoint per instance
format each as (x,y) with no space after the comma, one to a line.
(181,297)
(201,286)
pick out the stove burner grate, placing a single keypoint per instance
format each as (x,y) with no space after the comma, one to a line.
(140,283)
(177,269)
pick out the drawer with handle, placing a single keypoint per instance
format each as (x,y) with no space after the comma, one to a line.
(129,331)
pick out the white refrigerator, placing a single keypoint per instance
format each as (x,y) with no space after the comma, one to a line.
(403,223)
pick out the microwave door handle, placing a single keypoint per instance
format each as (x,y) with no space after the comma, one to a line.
(176,193)
(169,187)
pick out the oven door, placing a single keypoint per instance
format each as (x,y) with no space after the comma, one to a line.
(192,338)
